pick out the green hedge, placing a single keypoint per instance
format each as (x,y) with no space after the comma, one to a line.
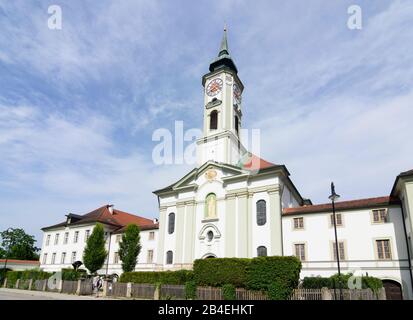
(228,291)
(333,281)
(217,272)
(316,282)
(72,274)
(34,274)
(190,290)
(280,274)
(164,277)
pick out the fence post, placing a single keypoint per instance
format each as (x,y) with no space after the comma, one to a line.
(105,288)
(17,284)
(157,292)
(79,283)
(128,290)
(381,294)
(325,294)
(5,283)
(30,284)
(44,285)
(60,286)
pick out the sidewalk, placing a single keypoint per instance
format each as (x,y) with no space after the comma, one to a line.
(30,294)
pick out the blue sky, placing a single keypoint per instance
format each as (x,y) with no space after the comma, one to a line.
(78,106)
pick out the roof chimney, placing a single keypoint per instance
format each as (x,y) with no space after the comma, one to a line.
(110,208)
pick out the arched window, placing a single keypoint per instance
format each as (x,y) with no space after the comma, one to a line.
(211,206)
(171,223)
(213,121)
(262,251)
(261,212)
(236,124)
(169,257)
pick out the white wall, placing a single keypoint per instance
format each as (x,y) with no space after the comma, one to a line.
(359,234)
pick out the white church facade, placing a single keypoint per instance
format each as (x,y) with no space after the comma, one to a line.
(235,204)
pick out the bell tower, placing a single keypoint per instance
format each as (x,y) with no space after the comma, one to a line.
(222,110)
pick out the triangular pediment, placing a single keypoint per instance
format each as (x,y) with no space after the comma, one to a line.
(188,181)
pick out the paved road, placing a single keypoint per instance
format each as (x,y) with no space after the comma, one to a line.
(13,294)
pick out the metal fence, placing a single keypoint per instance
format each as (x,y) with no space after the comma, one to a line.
(243,294)
(209,293)
(175,292)
(354,294)
(306,294)
(143,291)
(333,294)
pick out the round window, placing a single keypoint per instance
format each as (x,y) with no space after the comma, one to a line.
(210,236)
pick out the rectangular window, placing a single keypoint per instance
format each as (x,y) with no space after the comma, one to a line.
(341,249)
(383,249)
(151,235)
(63,258)
(76,237)
(118,238)
(54,258)
(299,223)
(45,258)
(56,239)
(116,258)
(66,238)
(150,256)
(339,220)
(380,216)
(48,240)
(87,234)
(73,256)
(300,251)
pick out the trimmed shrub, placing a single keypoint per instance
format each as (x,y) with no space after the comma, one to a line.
(217,272)
(281,274)
(316,283)
(333,282)
(164,277)
(375,284)
(277,292)
(344,278)
(34,274)
(72,274)
(228,291)
(190,290)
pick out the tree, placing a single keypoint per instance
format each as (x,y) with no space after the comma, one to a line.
(130,247)
(95,252)
(17,244)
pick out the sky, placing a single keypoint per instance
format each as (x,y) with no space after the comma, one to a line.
(79,105)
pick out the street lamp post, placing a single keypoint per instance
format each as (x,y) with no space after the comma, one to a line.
(333,197)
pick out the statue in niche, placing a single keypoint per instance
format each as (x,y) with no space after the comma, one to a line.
(211,206)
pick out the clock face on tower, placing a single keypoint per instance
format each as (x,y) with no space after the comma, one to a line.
(214,87)
(237,93)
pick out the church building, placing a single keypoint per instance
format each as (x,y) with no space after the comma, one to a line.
(235,204)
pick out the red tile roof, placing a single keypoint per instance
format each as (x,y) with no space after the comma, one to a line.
(14,261)
(118,219)
(343,205)
(254,162)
